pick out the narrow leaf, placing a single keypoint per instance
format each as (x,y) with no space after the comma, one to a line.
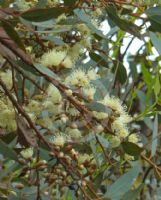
(98,59)
(45,70)
(157,86)
(123,184)
(133,194)
(121,74)
(12,34)
(122,24)
(25,134)
(154,136)
(131,148)
(156,42)
(154,15)
(38,15)
(7,152)
(95,106)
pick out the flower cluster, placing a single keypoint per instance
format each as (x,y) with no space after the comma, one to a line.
(7,115)
(119,121)
(24,5)
(56,59)
(7,78)
(63,113)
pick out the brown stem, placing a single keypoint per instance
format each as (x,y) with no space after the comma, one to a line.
(66,166)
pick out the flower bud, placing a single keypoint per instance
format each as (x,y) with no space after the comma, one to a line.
(19,186)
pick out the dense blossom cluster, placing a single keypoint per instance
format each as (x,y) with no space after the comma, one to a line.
(62,123)
(24,5)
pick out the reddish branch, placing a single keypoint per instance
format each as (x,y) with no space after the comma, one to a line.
(63,161)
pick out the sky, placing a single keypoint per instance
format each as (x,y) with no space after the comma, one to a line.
(135,45)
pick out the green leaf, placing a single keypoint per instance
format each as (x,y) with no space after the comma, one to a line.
(87,20)
(56,40)
(41,3)
(9,170)
(133,69)
(45,70)
(94,149)
(38,15)
(95,106)
(98,59)
(8,138)
(25,67)
(157,86)
(121,74)
(102,86)
(156,41)
(12,33)
(69,2)
(125,25)
(154,15)
(123,184)
(7,152)
(154,136)
(131,148)
(142,99)
(133,194)
(103,141)
(154,11)
(19,87)
(98,179)
(147,76)
(44,24)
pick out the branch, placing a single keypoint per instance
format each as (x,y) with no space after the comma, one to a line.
(67,166)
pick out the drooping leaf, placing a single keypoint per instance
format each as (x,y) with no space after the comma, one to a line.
(147,75)
(154,136)
(121,74)
(125,25)
(154,15)
(41,3)
(142,98)
(123,184)
(12,33)
(156,41)
(157,86)
(14,166)
(25,133)
(132,194)
(38,15)
(69,2)
(12,47)
(7,152)
(87,20)
(8,138)
(98,59)
(103,141)
(131,148)
(93,147)
(45,70)
(95,106)
(98,179)
(19,87)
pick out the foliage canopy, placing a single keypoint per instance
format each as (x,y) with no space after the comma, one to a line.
(80,99)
